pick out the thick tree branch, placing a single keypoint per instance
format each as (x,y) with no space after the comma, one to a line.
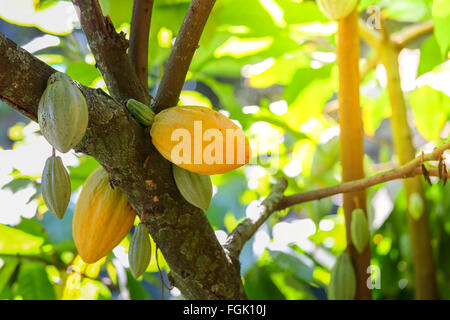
(109,49)
(276,201)
(199,265)
(182,53)
(140,30)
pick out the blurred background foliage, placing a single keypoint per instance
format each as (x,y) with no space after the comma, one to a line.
(271,66)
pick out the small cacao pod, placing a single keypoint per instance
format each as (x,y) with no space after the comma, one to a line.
(140,251)
(56,186)
(415,206)
(102,217)
(336,9)
(179,134)
(143,113)
(194,187)
(359,230)
(342,284)
(62,113)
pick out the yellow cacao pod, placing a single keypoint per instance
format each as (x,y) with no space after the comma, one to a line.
(200,140)
(194,187)
(140,251)
(342,284)
(336,9)
(359,230)
(62,113)
(102,217)
(56,186)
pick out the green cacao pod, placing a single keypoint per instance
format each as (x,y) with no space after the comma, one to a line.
(194,187)
(359,230)
(62,113)
(143,113)
(343,279)
(140,251)
(415,206)
(336,9)
(56,186)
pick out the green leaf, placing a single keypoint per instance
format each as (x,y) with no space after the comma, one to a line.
(79,174)
(18,184)
(294,263)
(429,108)
(441,18)
(14,241)
(7,270)
(407,10)
(137,291)
(259,285)
(430,56)
(34,283)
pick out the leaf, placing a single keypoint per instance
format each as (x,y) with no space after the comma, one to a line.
(7,270)
(294,263)
(33,282)
(18,184)
(441,18)
(259,285)
(79,174)
(14,241)
(430,56)
(429,108)
(136,289)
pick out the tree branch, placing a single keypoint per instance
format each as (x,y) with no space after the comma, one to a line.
(140,30)
(181,56)
(406,35)
(276,201)
(371,36)
(109,49)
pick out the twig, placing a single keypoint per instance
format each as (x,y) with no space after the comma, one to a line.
(247,228)
(274,202)
(372,37)
(140,30)
(406,35)
(181,56)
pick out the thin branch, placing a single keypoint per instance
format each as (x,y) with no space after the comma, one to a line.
(247,228)
(368,67)
(182,53)
(371,36)
(140,30)
(406,35)
(109,49)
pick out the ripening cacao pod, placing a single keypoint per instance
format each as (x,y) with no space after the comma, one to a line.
(140,251)
(415,206)
(342,284)
(194,187)
(143,113)
(200,140)
(102,217)
(336,9)
(62,113)
(56,186)
(359,230)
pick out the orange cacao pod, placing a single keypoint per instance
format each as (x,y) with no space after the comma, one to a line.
(102,217)
(200,140)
